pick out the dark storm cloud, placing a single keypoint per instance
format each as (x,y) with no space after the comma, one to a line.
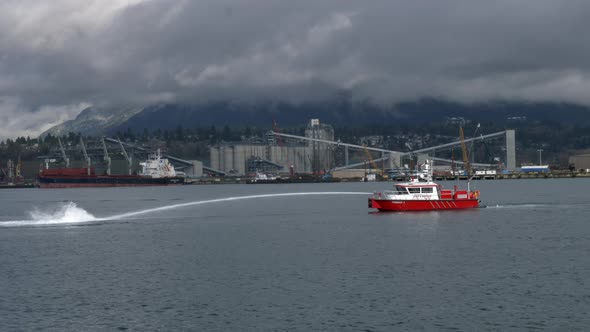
(68,54)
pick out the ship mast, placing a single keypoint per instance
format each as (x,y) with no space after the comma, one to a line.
(85,155)
(106,156)
(129,160)
(63,153)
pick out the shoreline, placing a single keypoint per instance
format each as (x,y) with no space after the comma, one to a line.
(239,180)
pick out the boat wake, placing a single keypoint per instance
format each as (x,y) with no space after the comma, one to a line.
(71,214)
(517,206)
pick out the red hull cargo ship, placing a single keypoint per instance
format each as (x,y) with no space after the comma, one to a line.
(156,171)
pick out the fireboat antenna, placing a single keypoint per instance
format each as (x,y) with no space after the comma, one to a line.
(431,170)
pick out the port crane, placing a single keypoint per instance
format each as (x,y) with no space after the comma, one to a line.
(107,158)
(507,133)
(467,153)
(86,157)
(127,157)
(464,150)
(371,161)
(63,153)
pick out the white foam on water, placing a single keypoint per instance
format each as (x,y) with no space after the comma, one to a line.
(70,213)
(516,206)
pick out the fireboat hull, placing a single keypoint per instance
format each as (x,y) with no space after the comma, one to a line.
(422,205)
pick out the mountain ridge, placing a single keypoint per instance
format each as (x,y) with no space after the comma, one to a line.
(105,121)
(94,121)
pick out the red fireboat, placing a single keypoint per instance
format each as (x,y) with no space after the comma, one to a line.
(421,194)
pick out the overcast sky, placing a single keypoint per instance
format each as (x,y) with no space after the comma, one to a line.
(60,56)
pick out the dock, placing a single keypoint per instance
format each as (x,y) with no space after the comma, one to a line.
(512,176)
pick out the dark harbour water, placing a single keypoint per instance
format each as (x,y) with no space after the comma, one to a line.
(294,263)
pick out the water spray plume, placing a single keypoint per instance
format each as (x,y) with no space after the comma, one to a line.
(217,200)
(68,213)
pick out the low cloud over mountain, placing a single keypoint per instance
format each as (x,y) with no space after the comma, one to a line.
(58,58)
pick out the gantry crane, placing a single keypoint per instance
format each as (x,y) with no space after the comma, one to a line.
(107,158)
(371,161)
(63,153)
(464,150)
(86,157)
(129,160)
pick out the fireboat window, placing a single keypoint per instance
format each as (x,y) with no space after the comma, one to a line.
(400,190)
(414,190)
(427,190)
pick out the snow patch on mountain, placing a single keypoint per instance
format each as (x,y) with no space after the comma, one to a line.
(94,121)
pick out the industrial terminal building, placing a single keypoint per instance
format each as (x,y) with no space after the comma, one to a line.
(580,162)
(317,152)
(275,154)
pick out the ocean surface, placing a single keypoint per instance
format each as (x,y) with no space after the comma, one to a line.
(293,257)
